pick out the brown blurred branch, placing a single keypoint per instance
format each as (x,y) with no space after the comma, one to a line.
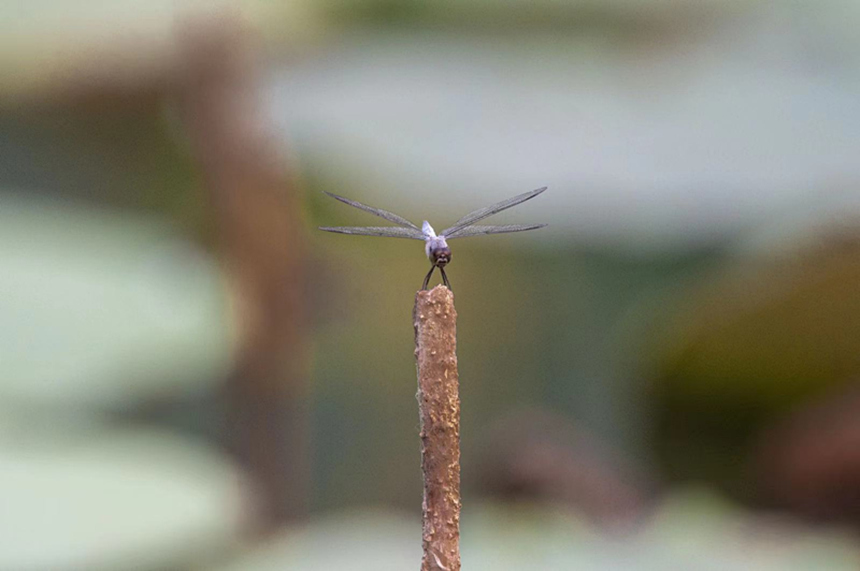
(809,460)
(538,455)
(435,322)
(261,235)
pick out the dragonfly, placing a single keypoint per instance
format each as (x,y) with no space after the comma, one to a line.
(436,245)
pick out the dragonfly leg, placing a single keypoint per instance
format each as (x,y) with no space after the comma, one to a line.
(445,278)
(427,278)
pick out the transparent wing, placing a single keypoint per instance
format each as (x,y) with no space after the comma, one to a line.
(384,231)
(390,216)
(482,213)
(501,229)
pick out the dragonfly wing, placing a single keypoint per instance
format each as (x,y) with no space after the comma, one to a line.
(383,231)
(500,229)
(482,213)
(390,216)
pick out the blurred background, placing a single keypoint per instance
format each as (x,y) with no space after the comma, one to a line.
(194,378)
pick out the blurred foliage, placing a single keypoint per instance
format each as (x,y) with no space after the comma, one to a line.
(121,153)
(103,308)
(89,500)
(693,530)
(53,49)
(771,332)
(616,17)
(748,344)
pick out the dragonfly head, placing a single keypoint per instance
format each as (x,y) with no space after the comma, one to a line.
(441,257)
(438,251)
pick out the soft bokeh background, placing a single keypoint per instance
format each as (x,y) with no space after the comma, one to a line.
(193,377)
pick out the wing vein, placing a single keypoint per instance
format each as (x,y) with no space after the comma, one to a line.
(382,231)
(390,216)
(487,211)
(478,230)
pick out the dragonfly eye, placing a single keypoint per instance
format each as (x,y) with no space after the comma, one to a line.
(442,257)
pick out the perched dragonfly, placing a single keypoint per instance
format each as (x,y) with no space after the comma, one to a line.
(436,245)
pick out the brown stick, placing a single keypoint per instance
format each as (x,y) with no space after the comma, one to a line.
(438,396)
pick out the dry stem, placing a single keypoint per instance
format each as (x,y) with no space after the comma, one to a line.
(435,322)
